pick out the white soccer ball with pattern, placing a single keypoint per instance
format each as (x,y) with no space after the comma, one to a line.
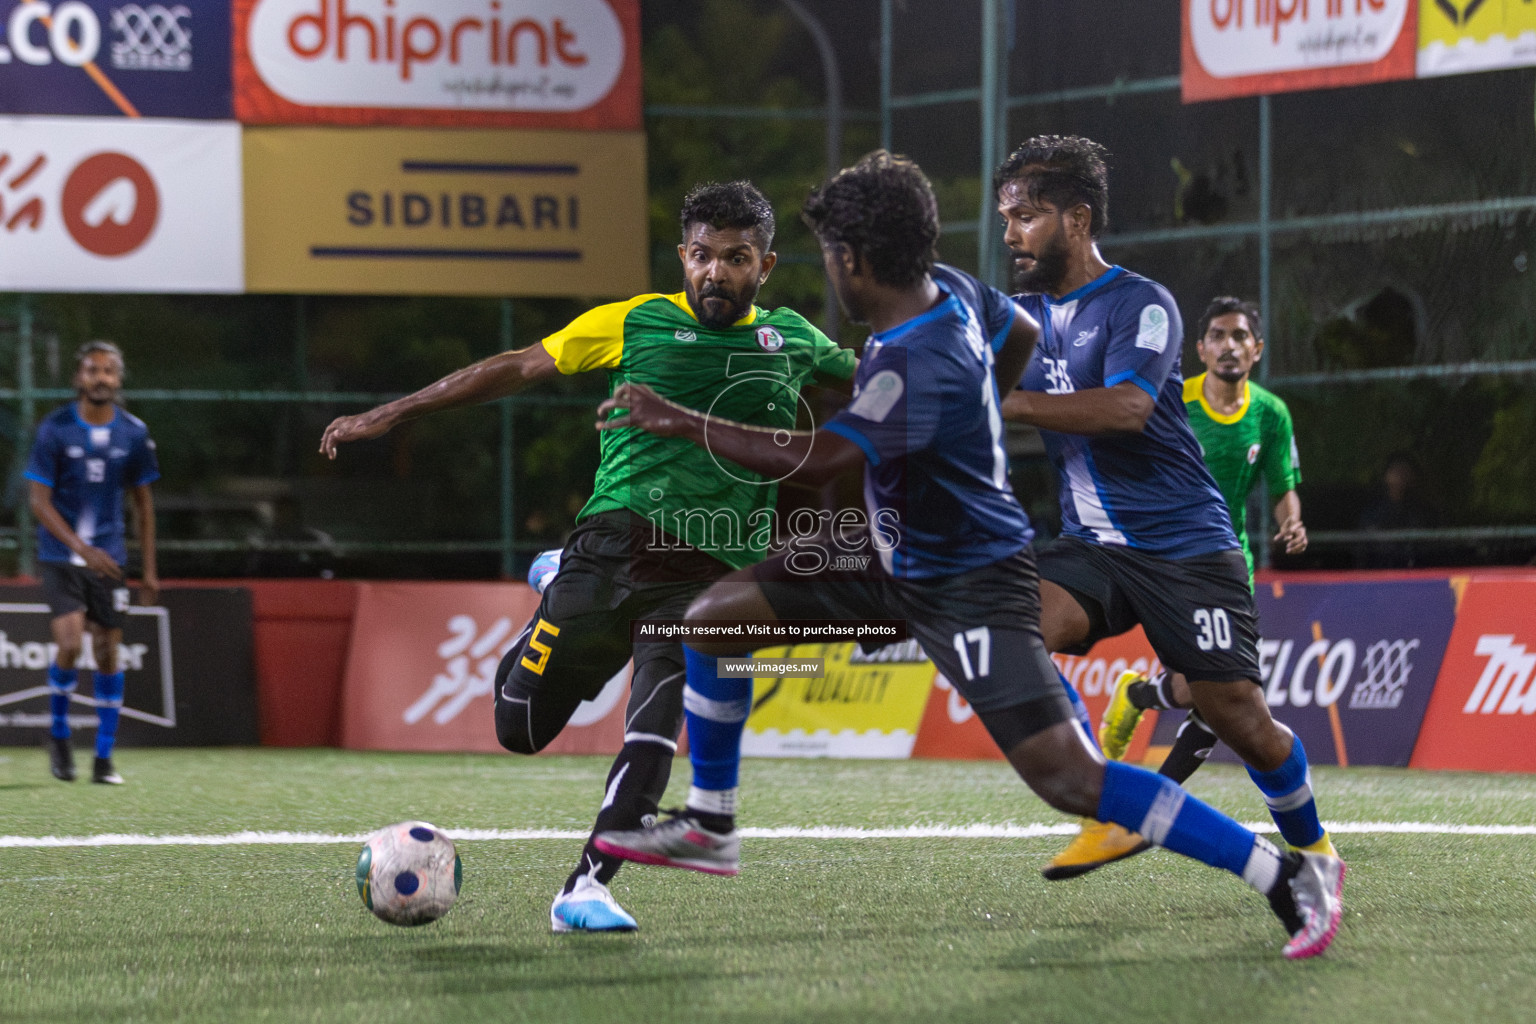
(409,873)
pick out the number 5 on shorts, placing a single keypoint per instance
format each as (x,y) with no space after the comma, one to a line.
(1215,629)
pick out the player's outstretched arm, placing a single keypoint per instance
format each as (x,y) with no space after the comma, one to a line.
(144,511)
(503,374)
(1290,530)
(1124,408)
(802,456)
(40,500)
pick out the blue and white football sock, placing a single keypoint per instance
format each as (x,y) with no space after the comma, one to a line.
(717,711)
(1079,709)
(1288,792)
(109,704)
(1154,806)
(61,683)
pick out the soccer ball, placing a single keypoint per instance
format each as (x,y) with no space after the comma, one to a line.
(409,873)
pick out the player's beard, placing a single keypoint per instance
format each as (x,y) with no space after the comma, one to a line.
(1230,372)
(100,394)
(1049,271)
(733,309)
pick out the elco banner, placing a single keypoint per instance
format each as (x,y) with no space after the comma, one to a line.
(104,57)
(571,64)
(1250,47)
(1350,667)
(421,211)
(118,205)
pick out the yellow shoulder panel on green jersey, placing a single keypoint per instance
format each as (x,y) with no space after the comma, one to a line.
(594,340)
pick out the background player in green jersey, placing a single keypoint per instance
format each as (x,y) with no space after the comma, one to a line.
(1244,429)
(665,518)
(1245,432)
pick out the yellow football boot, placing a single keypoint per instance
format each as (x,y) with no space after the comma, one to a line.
(1120,718)
(1097,844)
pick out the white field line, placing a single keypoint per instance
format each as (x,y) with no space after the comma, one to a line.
(1034,831)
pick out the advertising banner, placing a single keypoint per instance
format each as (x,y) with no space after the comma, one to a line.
(117,205)
(1475,35)
(572,64)
(421,211)
(867,705)
(187,668)
(421,671)
(1350,667)
(101,58)
(1483,716)
(1251,47)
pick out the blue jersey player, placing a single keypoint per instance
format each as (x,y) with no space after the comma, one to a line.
(955,559)
(1146,536)
(85,455)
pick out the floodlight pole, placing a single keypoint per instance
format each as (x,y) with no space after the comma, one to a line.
(834,155)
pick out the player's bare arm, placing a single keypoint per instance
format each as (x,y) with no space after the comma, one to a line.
(801,456)
(1011,360)
(1289,529)
(503,374)
(40,500)
(144,512)
(1124,408)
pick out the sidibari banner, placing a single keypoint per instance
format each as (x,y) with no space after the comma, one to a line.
(421,211)
(118,205)
(1251,47)
(1475,35)
(572,64)
(103,58)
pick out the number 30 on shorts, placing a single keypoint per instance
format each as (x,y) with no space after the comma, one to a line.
(1215,629)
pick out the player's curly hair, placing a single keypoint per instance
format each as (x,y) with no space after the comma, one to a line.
(883,209)
(1064,171)
(1224,304)
(732,204)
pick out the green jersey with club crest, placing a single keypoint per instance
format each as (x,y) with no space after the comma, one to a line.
(751,371)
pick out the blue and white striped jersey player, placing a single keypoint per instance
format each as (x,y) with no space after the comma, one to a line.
(1146,536)
(955,558)
(85,456)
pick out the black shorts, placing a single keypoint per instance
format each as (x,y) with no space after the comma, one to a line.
(1198,612)
(980,628)
(69,588)
(612,573)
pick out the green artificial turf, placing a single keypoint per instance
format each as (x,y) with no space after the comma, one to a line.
(1438,928)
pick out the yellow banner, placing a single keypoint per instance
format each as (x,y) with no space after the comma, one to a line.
(865,706)
(445,212)
(1456,36)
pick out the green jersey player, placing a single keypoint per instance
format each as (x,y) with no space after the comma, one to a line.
(666,519)
(1244,429)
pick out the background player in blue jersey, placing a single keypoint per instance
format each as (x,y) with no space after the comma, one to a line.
(955,560)
(85,456)
(1146,536)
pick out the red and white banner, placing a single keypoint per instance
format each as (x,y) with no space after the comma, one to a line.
(571,64)
(1482,716)
(1251,47)
(119,205)
(421,672)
